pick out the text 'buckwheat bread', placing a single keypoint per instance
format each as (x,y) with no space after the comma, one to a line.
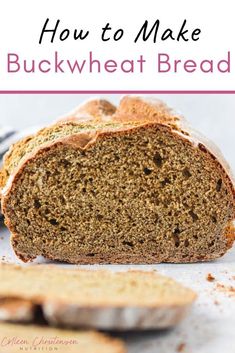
(93,299)
(16,338)
(125,185)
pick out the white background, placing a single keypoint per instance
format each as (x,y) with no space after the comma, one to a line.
(21,23)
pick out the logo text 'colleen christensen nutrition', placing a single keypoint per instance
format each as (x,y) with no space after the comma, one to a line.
(36,343)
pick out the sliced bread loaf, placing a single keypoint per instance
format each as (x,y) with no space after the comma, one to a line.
(96,299)
(132,185)
(16,338)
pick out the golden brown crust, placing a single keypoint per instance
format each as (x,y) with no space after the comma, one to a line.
(140,110)
(229,233)
(92,110)
(2,179)
(14,153)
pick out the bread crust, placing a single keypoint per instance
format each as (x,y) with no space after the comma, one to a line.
(16,310)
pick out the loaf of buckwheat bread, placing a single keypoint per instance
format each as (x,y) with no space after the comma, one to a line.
(128,185)
(92,299)
(16,338)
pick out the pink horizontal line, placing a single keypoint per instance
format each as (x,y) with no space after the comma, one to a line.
(117,92)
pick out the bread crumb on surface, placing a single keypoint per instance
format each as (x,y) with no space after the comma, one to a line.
(181,347)
(210,278)
(229,290)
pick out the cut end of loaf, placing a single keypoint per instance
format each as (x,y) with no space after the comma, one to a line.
(127,190)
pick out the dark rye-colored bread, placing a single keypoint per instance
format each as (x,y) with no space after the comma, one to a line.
(126,185)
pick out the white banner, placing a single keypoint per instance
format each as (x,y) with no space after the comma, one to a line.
(124,45)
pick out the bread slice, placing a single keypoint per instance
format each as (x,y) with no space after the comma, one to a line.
(16,310)
(98,299)
(132,185)
(16,338)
